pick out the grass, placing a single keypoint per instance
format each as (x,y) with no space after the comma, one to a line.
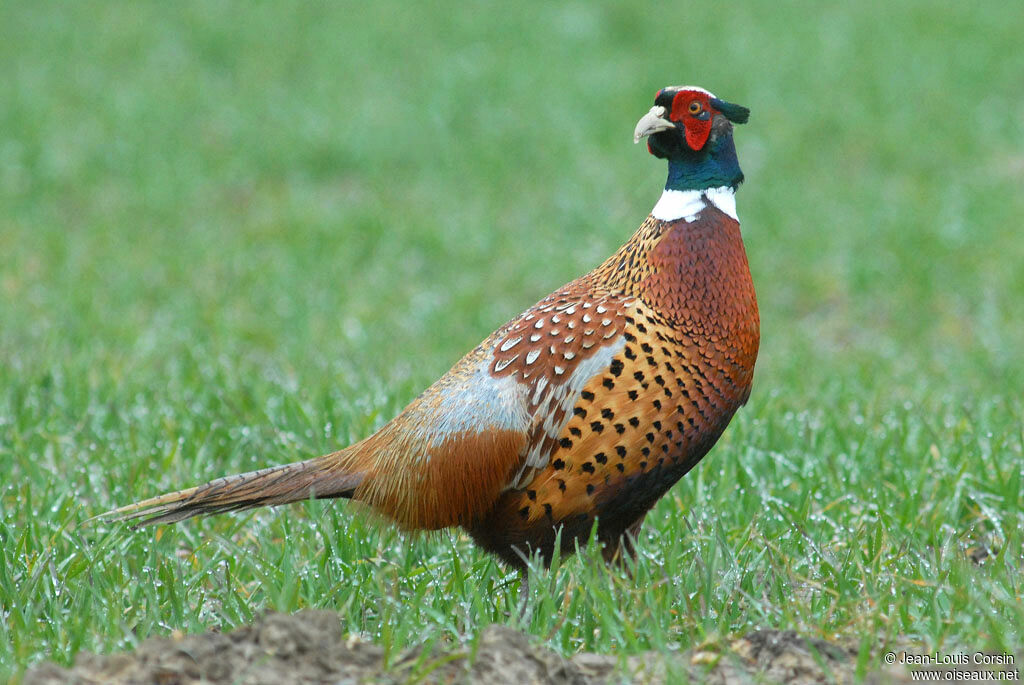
(237,235)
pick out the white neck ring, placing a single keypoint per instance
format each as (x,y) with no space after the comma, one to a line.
(688,204)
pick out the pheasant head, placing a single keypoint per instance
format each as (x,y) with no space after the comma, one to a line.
(692,129)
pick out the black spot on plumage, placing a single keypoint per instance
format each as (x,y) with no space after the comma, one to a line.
(616,367)
(620,429)
(640,327)
(629,336)
(659,380)
(580,412)
(657,404)
(621,451)
(630,354)
(657,425)
(650,437)
(558,464)
(597,426)
(590,488)
(587,467)
(576,431)
(680,426)
(665,351)
(651,362)
(646,451)
(587,395)
(561,484)
(633,394)
(646,348)
(621,467)
(634,421)
(668,393)
(664,448)
(524,512)
(565,442)
(601,458)
(639,375)
(608,383)
(643,465)
(607,413)
(532,494)
(669,367)
(547,509)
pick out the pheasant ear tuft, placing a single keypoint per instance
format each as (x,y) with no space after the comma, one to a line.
(737,114)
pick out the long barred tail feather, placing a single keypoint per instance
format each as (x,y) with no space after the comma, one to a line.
(317,478)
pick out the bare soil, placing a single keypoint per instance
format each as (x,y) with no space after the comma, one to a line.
(309,647)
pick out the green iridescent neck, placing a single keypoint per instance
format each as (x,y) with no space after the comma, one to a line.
(715,166)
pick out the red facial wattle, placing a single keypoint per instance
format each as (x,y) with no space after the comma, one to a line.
(697,133)
(698,128)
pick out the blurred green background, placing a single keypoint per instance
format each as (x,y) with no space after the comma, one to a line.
(237,234)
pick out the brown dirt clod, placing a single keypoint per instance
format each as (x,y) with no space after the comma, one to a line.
(310,648)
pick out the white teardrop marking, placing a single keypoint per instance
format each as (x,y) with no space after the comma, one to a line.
(509,344)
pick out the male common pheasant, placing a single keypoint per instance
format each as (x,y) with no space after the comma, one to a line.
(589,405)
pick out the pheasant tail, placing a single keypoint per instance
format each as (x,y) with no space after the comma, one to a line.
(322,478)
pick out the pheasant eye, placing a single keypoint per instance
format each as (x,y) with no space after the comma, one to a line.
(694,107)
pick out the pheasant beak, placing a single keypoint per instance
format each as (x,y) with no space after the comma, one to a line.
(652,122)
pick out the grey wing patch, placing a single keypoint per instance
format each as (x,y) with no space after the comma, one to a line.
(467,400)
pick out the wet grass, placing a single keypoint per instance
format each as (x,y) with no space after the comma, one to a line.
(237,235)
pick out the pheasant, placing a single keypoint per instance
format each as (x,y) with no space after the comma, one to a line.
(586,407)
